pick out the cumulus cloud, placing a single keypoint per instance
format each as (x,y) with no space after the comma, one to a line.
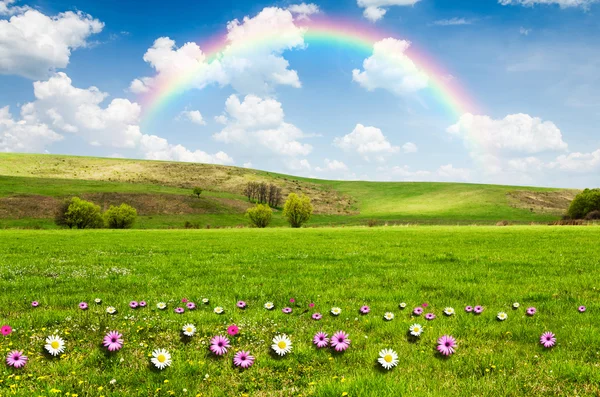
(452,173)
(303,10)
(443,173)
(332,165)
(376,9)
(577,162)
(193,116)
(585,4)
(410,147)
(157,148)
(261,121)
(33,45)
(21,136)
(391,69)
(366,141)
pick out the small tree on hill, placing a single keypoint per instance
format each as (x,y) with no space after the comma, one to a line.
(197,191)
(60,218)
(121,217)
(297,210)
(260,216)
(80,214)
(584,203)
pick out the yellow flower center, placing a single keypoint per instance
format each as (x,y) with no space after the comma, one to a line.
(388,358)
(416,329)
(188,329)
(55,344)
(161,358)
(282,345)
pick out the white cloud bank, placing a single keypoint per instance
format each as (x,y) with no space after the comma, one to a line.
(366,141)
(374,10)
(585,4)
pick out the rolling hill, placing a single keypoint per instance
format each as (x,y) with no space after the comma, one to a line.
(31,187)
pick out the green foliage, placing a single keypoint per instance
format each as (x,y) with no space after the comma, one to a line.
(80,214)
(121,217)
(260,216)
(197,191)
(297,210)
(60,218)
(584,203)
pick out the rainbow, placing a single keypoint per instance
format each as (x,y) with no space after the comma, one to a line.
(327,31)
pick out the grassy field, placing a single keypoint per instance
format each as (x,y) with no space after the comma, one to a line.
(555,269)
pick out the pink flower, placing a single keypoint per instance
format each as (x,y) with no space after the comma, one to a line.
(184,300)
(429,316)
(6,330)
(581,309)
(446,345)
(243,359)
(321,340)
(35,303)
(233,330)
(311,305)
(292,300)
(478,309)
(133,304)
(531,311)
(83,306)
(365,309)
(287,310)
(469,309)
(241,304)
(219,345)
(417,311)
(179,310)
(143,303)
(340,341)
(16,359)
(548,339)
(425,304)
(113,341)
(190,305)
(317,316)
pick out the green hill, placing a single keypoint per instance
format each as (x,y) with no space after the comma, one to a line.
(31,187)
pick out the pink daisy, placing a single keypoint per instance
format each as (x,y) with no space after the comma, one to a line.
(190,305)
(179,310)
(417,311)
(478,309)
(321,340)
(365,309)
(548,339)
(133,304)
(531,311)
(429,316)
(446,345)
(16,359)
(287,310)
(184,300)
(425,304)
(340,341)
(143,303)
(219,345)
(581,309)
(292,300)
(469,309)
(241,304)
(5,330)
(233,330)
(113,341)
(83,306)
(35,303)
(317,316)
(311,305)
(243,359)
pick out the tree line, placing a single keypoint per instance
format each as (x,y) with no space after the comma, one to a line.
(263,193)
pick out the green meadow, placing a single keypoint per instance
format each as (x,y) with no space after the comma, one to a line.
(554,269)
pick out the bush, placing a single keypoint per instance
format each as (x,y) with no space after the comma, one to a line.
(297,210)
(593,216)
(584,203)
(373,222)
(197,191)
(80,214)
(121,217)
(191,225)
(260,216)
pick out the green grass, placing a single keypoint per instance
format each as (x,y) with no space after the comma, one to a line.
(552,268)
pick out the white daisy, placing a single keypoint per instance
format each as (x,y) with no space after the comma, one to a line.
(449,311)
(502,316)
(219,310)
(336,311)
(282,345)
(402,305)
(269,305)
(415,330)
(98,301)
(111,310)
(205,301)
(161,358)
(55,345)
(388,358)
(161,305)
(189,330)
(516,305)
(389,316)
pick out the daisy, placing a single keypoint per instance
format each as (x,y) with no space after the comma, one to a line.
(161,305)
(292,300)
(83,306)
(311,305)
(469,309)
(111,310)
(189,330)
(218,310)
(340,341)
(243,359)
(336,311)
(365,309)
(516,305)
(282,345)
(388,358)
(16,359)
(287,310)
(548,339)
(417,311)
(269,305)
(98,301)
(429,316)
(190,305)
(401,306)
(241,304)
(478,309)
(449,311)
(205,301)
(179,310)
(55,345)
(113,341)
(321,340)
(531,311)
(143,304)
(133,304)
(446,345)
(317,316)
(233,330)
(502,316)
(161,358)
(415,330)
(581,309)
(219,345)
(425,304)
(35,303)
(389,316)
(5,330)
(184,300)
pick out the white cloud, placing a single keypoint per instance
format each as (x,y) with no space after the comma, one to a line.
(526,164)
(6,8)
(453,22)
(33,45)
(516,132)
(248,165)
(303,10)
(221,119)
(585,4)
(443,173)
(298,164)
(332,165)
(410,147)
(451,173)
(391,69)
(21,136)
(523,31)
(157,148)
(577,162)
(261,121)
(376,9)
(193,116)
(366,141)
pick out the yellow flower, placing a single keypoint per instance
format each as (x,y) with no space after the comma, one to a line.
(166,381)
(344,394)
(100,388)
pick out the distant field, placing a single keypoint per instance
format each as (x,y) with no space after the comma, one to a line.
(555,269)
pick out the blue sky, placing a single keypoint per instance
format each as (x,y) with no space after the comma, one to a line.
(529,65)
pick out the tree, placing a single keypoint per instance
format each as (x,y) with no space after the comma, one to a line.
(60,218)
(584,203)
(121,217)
(297,210)
(80,214)
(260,216)
(197,191)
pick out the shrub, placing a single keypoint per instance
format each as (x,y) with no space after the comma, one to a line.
(297,210)
(502,223)
(197,191)
(121,217)
(584,203)
(191,225)
(80,214)
(373,222)
(260,216)
(60,218)
(593,215)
